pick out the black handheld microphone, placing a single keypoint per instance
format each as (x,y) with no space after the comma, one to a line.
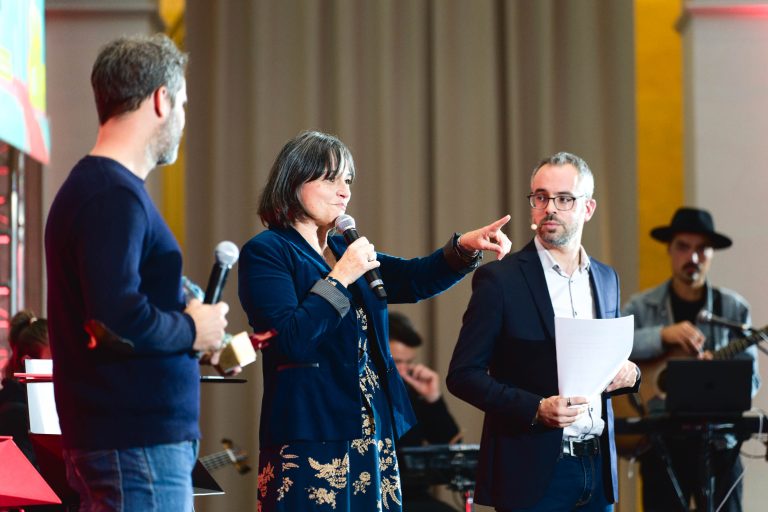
(226,256)
(707,317)
(346,226)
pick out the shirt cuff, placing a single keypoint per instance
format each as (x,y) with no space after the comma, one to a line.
(333,295)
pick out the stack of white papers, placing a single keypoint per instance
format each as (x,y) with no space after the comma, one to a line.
(590,352)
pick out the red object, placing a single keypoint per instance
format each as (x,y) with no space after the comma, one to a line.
(20,484)
(259,339)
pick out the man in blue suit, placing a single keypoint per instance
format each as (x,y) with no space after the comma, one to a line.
(538,453)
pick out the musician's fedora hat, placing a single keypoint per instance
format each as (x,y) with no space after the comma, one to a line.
(692,220)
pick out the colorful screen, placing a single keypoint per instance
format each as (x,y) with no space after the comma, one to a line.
(23,122)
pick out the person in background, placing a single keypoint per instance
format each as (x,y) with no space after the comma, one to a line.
(334,404)
(434,423)
(28,339)
(666,324)
(124,344)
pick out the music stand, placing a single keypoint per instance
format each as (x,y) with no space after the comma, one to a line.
(203,484)
(218,379)
(704,397)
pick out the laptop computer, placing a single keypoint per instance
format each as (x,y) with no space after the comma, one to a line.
(713,388)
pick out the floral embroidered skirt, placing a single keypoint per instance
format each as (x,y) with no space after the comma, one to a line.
(357,475)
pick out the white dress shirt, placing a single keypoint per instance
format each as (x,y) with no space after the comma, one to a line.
(571,297)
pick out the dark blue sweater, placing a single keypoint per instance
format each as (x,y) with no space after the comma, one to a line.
(112,258)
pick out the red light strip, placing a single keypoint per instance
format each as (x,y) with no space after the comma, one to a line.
(749,10)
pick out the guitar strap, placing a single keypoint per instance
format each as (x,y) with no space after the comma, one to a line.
(717,302)
(717,309)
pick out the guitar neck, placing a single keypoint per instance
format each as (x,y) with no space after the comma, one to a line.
(738,346)
(216,460)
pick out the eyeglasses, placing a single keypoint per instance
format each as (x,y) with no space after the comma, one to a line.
(562,202)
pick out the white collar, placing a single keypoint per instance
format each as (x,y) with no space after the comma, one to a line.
(549,262)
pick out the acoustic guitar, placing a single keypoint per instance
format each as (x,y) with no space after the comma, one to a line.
(636,404)
(230,455)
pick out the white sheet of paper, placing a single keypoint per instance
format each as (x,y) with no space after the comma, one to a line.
(43,418)
(590,352)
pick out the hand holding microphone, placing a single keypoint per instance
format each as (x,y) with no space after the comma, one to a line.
(359,259)
(210,322)
(210,317)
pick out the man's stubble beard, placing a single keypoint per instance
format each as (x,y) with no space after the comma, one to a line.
(166,146)
(555,239)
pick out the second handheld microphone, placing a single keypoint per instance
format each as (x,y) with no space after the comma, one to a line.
(226,255)
(345,225)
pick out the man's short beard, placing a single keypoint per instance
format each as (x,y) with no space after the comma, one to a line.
(166,144)
(168,156)
(554,239)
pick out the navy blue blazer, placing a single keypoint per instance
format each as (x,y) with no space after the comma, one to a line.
(311,387)
(504,363)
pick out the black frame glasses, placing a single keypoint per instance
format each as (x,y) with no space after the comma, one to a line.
(562,202)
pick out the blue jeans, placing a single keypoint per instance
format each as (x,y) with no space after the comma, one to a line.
(576,485)
(145,479)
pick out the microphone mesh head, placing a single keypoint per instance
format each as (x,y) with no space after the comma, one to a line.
(344,222)
(227,253)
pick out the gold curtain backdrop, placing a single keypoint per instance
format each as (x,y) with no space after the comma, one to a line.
(446,106)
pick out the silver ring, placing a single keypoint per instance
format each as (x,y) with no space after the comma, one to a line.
(569,402)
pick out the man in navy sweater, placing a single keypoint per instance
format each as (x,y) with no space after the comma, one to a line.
(126,378)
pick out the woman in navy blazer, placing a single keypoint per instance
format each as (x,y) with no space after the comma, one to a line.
(334,403)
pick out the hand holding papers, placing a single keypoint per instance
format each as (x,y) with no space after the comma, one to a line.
(591,352)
